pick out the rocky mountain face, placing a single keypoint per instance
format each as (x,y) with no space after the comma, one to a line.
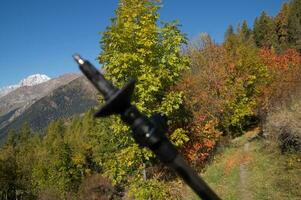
(22,97)
(5,90)
(39,104)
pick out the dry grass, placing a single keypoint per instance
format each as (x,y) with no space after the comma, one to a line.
(283,125)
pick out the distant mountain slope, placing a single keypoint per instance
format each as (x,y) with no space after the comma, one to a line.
(5,90)
(73,98)
(67,100)
(17,101)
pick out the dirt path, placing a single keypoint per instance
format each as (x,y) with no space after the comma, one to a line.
(243,175)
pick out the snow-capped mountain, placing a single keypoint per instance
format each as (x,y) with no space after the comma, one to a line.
(34,80)
(38,105)
(29,81)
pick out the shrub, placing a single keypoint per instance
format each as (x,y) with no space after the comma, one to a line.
(150,189)
(283,125)
(96,187)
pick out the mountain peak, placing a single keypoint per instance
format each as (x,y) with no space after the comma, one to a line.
(31,80)
(34,80)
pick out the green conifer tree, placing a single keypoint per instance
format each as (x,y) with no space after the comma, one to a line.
(245,31)
(229,33)
(8,173)
(25,133)
(11,138)
(281,23)
(294,25)
(265,32)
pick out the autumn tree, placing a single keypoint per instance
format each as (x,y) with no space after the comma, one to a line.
(204,87)
(284,76)
(228,78)
(134,46)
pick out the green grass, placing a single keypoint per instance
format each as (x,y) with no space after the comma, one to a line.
(268,173)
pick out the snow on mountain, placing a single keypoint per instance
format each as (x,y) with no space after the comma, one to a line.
(29,81)
(34,80)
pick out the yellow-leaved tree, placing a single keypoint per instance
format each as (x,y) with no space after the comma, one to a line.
(135,46)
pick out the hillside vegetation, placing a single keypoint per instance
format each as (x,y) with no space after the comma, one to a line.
(211,94)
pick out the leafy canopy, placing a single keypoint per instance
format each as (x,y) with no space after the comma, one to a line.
(134,46)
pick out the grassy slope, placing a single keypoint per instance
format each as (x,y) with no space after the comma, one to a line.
(254,170)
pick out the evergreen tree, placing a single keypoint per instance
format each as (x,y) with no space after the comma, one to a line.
(26,158)
(11,138)
(245,31)
(8,173)
(294,25)
(25,133)
(264,31)
(229,33)
(281,22)
(54,134)
(55,169)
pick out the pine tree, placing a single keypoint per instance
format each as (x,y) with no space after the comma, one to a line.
(11,138)
(229,32)
(25,133)
(55,168)
(8,173)
(281,22)
(256,31)
(245,31)
(265,32)
(294,25)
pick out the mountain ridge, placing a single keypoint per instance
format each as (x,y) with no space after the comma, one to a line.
(65,101)
(31,80)
(38,105)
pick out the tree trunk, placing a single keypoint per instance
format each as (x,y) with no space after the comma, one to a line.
(144,172)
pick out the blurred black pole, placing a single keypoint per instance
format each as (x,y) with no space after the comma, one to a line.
(147,132)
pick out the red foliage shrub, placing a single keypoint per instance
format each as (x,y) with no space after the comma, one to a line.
(284,76)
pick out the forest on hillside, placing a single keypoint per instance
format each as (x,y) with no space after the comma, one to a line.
(208,91)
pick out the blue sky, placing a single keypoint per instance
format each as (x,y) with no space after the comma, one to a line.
(39,36)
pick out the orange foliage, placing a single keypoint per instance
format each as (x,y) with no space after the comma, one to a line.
(205,88)
(220,81)
(205,137)
(285,73)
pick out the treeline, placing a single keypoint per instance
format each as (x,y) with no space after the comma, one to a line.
(278,33)
(208,91)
